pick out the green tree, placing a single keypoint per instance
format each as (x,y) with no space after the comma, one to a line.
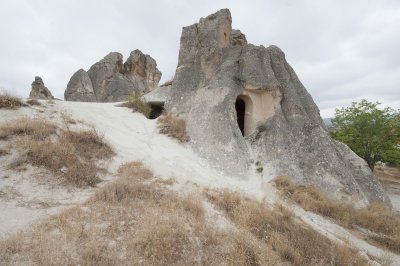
(372,133)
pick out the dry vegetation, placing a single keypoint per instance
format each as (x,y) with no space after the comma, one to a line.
(8,101)
(173,127)
(134,221)
(378,218)
(33,102)
(278,228)
(167,83)
(138,105)
(37,129)
(68,154)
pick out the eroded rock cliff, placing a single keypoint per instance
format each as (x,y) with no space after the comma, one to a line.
(244,105)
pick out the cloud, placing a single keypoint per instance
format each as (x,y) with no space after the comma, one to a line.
(341,50)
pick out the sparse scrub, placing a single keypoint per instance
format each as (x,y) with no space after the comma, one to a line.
(294,241)
(33,102)
(138,105)
(173,127)
(8,101)
(35,128)
(377,218)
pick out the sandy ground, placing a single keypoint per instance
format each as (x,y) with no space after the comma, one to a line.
(25,198)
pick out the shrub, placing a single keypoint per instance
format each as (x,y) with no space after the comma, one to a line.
(10,102)
(138,105)
(173,127)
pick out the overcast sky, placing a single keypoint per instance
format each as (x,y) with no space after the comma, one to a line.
(342,51)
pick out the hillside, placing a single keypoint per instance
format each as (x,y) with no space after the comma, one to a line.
(156,189)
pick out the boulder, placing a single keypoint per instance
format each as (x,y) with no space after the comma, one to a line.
(112,80)
(39,90)
(245,108)
(80,88)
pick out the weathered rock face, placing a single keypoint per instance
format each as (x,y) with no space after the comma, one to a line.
(39,91)
(112,80)
(80,88)
(244,105)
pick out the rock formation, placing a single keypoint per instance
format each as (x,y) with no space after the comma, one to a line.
(111,80)
(39,91)
(245,106)
(80,88)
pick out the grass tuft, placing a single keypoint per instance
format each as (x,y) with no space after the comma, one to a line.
(173,127)
(89,144)
(33,102)
(138,105)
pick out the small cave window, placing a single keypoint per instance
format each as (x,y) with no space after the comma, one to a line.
(156,111)
(240,107)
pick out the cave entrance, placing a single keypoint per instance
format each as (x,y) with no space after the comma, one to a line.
(156,111)
(240,107)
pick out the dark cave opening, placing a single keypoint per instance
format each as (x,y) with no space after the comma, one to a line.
(240,107)
(156,111)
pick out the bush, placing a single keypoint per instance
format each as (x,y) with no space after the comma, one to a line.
(173,127)
(138,105)
(10,102)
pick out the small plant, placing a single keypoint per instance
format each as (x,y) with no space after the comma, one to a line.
(173,126)
(10,102)
(167,83)
(259,169)
(138,105)
(33,102)
(239,77)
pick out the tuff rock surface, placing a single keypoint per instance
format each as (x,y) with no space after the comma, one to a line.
(80,88)
(39,90)
(112,80)
(215,66)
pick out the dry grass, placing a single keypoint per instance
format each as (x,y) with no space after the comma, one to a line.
(70,155)
(164,230)
(377,218)
(291,239)
(38,129)
(167,83)
(173,127)
(33,102)
(8,101)
(89,144)
(138,105)
(62,159)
